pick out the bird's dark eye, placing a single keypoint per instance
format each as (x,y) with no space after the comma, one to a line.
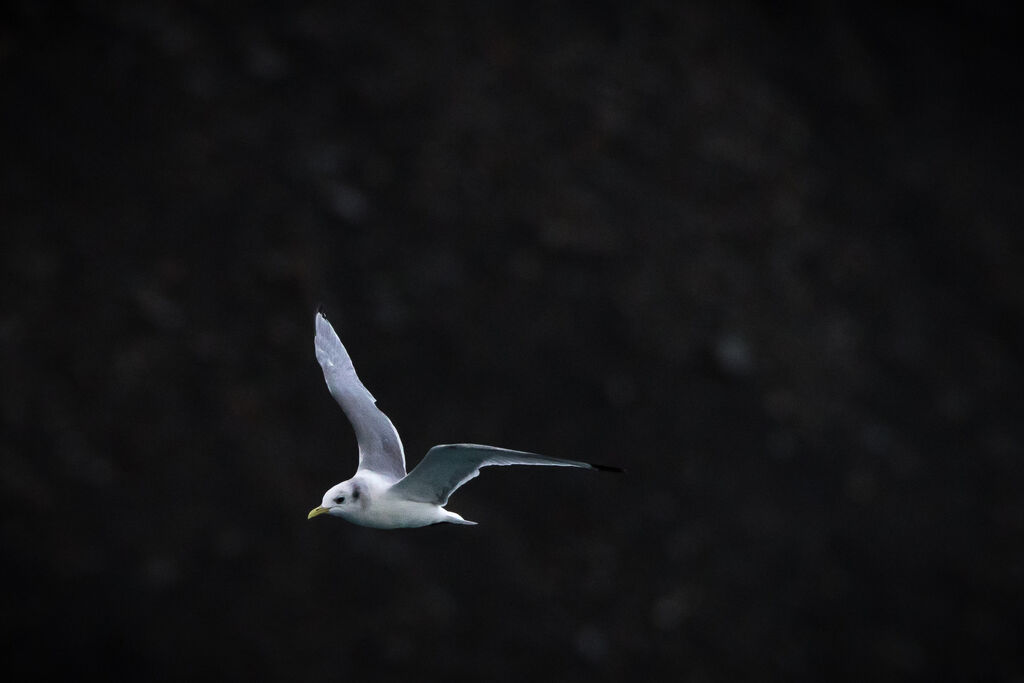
(355,495)
(339,500)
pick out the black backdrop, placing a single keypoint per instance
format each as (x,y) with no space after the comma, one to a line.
(769,260)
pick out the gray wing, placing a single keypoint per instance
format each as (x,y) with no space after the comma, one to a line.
(380,448)
(446,468)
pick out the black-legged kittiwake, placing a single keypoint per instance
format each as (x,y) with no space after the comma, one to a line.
(381,494)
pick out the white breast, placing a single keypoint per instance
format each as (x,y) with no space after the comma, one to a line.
(388,512)
(379,509)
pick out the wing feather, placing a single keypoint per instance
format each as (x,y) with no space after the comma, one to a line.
(445,468)
(380,448)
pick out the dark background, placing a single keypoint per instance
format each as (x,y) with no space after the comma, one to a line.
(769,260)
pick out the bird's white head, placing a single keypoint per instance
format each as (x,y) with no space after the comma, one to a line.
(339,500)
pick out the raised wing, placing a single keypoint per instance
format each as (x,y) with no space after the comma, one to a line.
(380,448)
(446,468)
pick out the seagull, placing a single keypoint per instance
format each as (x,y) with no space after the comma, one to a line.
(381,495)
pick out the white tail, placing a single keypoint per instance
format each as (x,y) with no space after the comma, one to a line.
(455,518)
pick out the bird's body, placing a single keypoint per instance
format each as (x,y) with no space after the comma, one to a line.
(381,494)
(379,508)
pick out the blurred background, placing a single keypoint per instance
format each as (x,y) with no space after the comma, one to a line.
(767,259)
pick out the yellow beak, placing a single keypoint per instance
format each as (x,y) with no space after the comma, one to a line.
(317,511)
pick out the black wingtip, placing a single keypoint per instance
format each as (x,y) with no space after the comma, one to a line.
(320,311)
(607,468)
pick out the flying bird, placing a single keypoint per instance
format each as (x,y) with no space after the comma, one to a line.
(381,494)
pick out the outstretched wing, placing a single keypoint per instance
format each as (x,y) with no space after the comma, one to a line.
(446,468)
(380,448)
